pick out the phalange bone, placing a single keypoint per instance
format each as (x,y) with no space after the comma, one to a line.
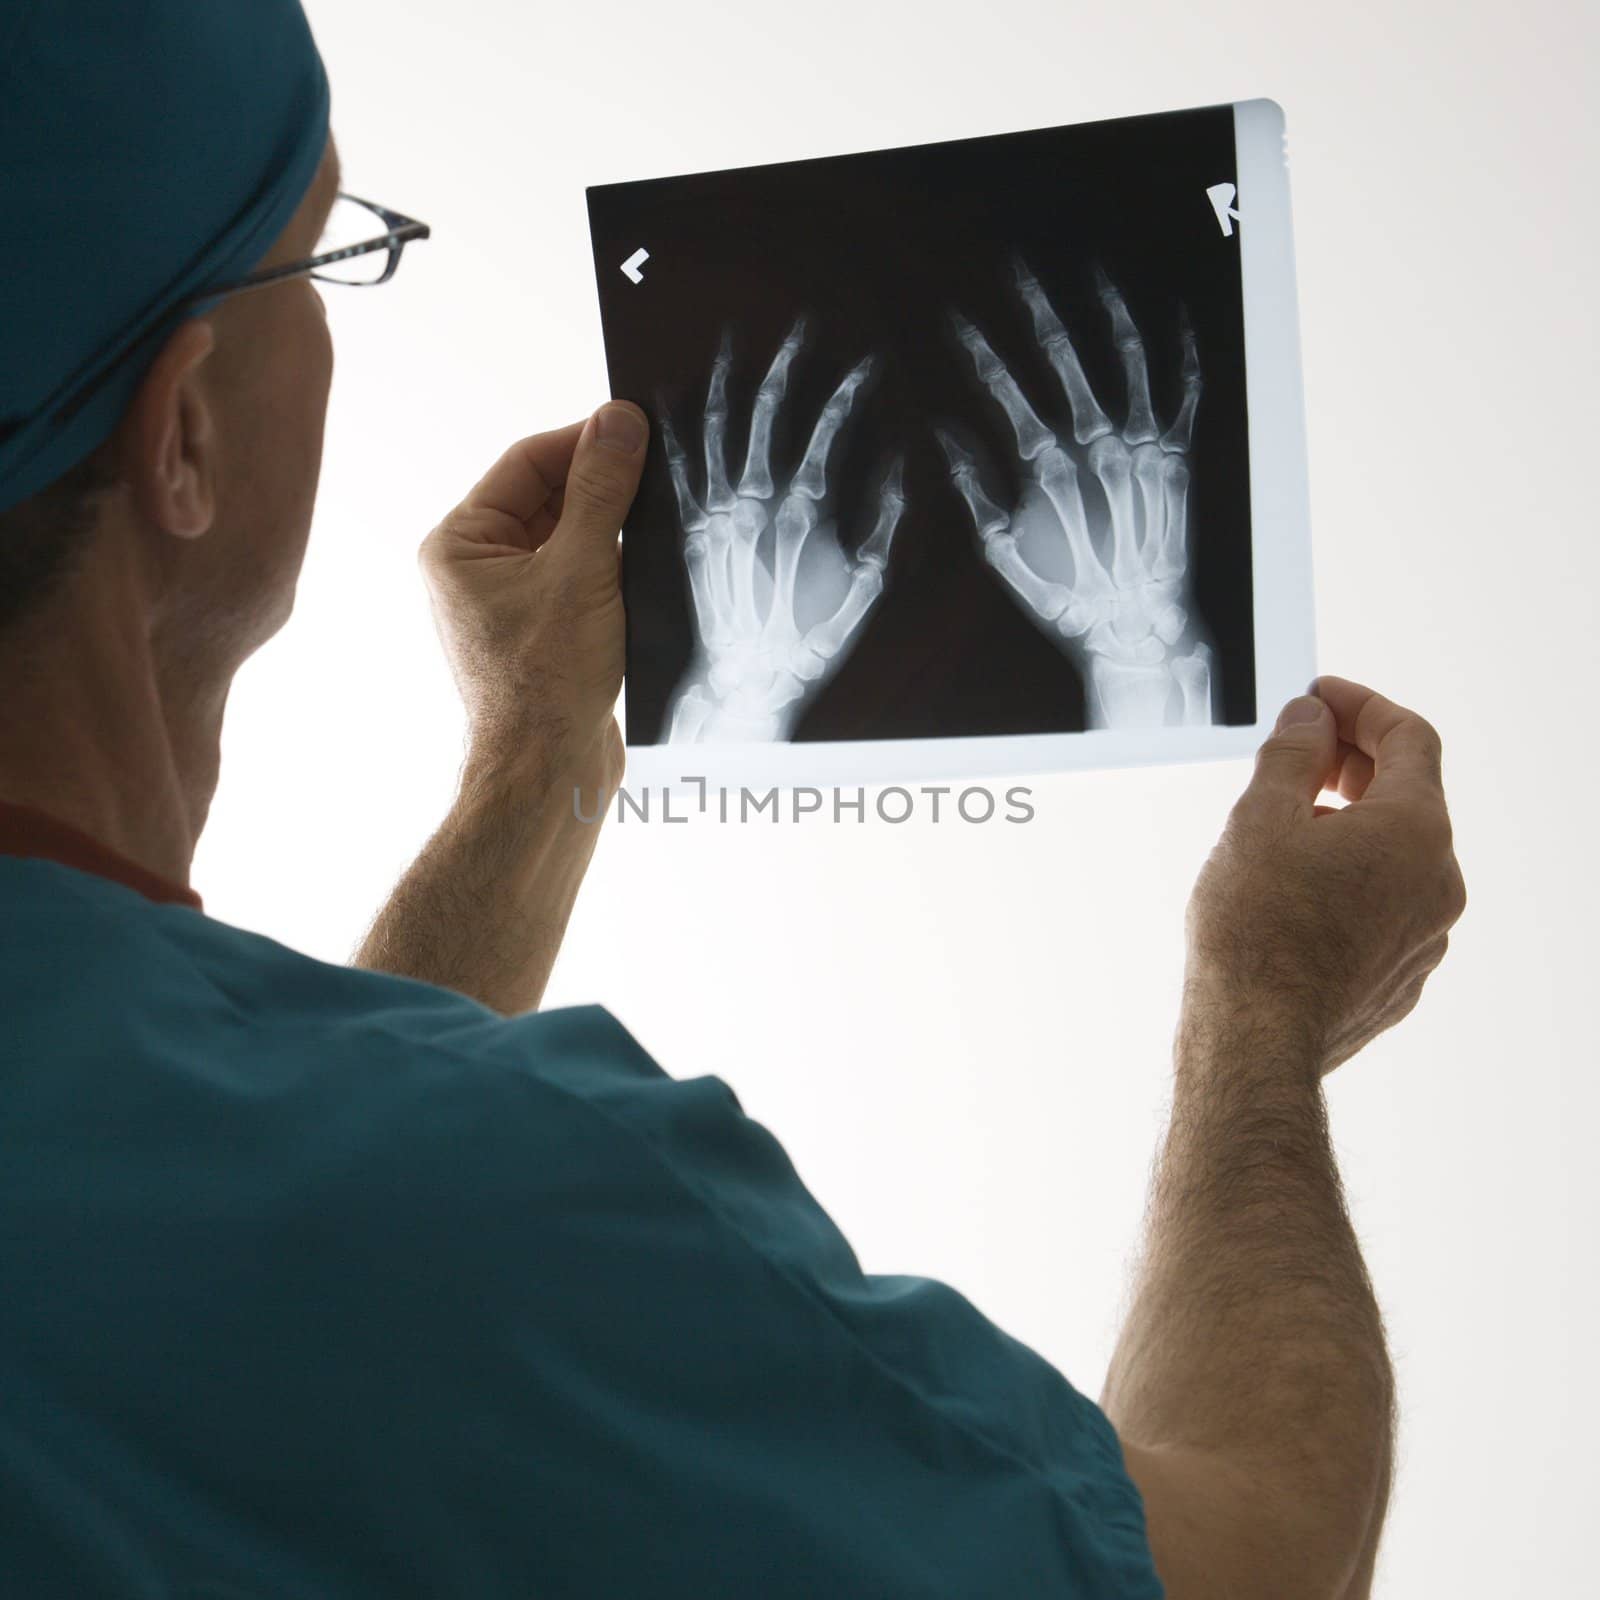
(826,639)
(1089,422)
(749,518)
(1046,600)
(987,518)
(1170,622)
(719,495)
(1172,559)
(797,516)
(1193,673)
(811,479)
(891,507)
(713,619)
(1032,435)
(692,518)
(1147,466)
(1058,477)
(1109,462)
(689,716)
(757,476)
(1179,436)
(1129,696)
(1141,424)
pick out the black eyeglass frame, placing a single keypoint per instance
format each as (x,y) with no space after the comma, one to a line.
(402,230)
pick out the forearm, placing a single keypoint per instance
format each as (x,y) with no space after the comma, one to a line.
(1254,1340)
(484,907)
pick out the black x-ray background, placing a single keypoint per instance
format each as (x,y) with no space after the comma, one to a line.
(875,248)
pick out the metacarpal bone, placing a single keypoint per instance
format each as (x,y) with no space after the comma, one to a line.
(826,639)
(1046,600)
(1110,463)
(1172,559)
(719,495)
(1058,477)
(1147,470)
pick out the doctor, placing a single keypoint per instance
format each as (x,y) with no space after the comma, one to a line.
(374,1280)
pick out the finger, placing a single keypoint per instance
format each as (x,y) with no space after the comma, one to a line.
(719,496)
(1032,435)
(509,497)
(827,639)
(891,507)
(1293,764)
(987,518)
(601,483)
(1178,437)
(1354,772)
(811,480)
(1140,427)
(1403,747)
(690,514)
(1089,422)
(756,478)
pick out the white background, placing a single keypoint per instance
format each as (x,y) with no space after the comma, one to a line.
(961,1033)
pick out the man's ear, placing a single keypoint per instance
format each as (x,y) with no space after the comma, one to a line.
(169,437)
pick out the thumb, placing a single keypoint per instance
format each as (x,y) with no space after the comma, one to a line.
(1295,762)
(601,482)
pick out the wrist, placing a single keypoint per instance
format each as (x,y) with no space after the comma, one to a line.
(1230,1028)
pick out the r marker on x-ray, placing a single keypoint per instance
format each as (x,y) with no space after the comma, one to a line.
(977,458)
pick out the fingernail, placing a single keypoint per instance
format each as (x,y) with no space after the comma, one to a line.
(618,428)
(1302,709)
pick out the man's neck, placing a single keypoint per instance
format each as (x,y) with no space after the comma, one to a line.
(91,734)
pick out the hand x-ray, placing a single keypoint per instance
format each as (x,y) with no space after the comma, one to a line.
(957,465)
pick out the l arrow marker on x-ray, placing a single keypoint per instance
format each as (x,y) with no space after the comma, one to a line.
(633,263)
(1221,197)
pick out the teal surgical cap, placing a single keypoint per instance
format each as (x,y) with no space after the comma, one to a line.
(149,150)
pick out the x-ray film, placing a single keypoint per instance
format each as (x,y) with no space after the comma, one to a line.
(975,458)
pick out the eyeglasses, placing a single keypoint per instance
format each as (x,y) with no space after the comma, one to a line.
(358,260)
(354,259)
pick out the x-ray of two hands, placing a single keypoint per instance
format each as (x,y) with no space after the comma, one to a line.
(756,665)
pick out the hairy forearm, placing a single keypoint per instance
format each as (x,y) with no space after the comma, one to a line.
(483,908)
(1254,1339)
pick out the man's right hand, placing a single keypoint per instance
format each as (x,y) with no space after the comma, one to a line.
(1323,922)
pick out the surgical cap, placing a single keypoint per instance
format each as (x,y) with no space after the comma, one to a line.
(149,150)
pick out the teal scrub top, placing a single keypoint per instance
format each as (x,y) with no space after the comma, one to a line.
(320,1282)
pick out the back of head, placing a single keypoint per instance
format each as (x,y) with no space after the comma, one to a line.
(153,149)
